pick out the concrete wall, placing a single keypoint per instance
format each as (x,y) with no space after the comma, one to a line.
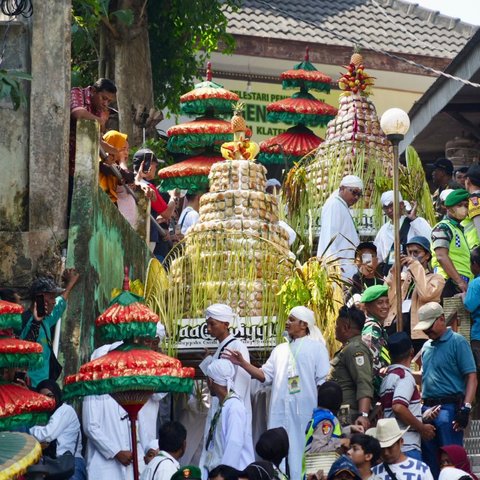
(34,145)
(100,244)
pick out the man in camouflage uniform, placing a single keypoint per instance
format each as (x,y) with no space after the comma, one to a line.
(351,367)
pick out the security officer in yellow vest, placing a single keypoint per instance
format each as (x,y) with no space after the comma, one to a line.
(351,367)
(450,251)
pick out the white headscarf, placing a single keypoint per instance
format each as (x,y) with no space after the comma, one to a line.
(220,312)
(221,371)
(306,315)
(387,198)
(352,181)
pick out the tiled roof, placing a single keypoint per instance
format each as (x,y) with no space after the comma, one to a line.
(392,25)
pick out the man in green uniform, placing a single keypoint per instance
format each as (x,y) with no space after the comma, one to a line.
(351,367)
(450,251)
(374,335)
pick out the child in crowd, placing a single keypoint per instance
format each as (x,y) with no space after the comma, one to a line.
(365,453)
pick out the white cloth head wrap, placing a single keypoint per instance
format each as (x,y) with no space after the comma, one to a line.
(160,333)
(221,371)
(352,181)
(387,198)
(306,315)
(220,312)
(445,193)
(151,445)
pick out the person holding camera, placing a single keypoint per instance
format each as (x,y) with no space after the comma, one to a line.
(410,226)
(48,303)
(419,286)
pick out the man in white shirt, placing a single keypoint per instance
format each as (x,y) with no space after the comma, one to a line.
(172,443)
(189,215)
(395,463)
(107,428)
(219,318)
(338,233)
(294,369)
(227,441)
(410,226)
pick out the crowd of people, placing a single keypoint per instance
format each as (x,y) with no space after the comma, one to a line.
(392,403)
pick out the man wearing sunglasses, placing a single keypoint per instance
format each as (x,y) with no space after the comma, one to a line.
(338,234)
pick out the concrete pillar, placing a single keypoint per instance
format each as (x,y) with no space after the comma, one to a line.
(50,116)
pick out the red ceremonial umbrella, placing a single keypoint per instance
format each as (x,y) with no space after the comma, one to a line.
(208,97)
(10,315)
(289,146)
(190,174)
(301,108)
(130,374)
(190,137)
(306,77)
(21,407)
(127,317)
(20,353)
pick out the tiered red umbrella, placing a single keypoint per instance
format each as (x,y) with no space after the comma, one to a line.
(191,174)
(131,372)
(302,110)
(201,137)
(10,315)
(21,407)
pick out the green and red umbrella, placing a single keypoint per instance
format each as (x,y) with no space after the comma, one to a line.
(289,146)
(306,77)
(21,407)
(190,174)
(208,97)
(10,315)
(20,353)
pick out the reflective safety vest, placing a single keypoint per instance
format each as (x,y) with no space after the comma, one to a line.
(470,232)
(458,251)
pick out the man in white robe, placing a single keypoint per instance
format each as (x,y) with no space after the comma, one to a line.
(227,441)
(417,226)
(219,318)
(294,369)
(107,428)
(337,224)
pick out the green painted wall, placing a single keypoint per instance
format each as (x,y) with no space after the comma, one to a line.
(100,244)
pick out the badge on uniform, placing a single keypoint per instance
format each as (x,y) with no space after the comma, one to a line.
(326,427)
(360,359)
(294,384)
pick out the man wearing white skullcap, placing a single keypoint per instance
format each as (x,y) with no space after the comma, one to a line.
(294,369)
(410,226)
(227,440)
(337,224)
(219,317)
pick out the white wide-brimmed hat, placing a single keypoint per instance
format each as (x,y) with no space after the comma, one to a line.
(387,432)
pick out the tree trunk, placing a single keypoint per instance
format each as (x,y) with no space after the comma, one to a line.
(133,69)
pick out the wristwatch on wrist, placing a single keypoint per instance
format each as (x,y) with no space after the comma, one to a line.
(467,405)
(364,414)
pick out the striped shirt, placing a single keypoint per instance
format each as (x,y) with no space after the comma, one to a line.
(399,387)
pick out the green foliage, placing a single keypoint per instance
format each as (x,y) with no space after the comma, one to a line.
(182,36)
(11,87)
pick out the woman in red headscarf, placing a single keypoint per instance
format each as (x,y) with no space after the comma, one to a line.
(454,456)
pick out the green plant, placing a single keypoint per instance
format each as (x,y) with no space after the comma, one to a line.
(11,87)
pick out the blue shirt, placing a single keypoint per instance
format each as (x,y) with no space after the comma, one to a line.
(446,361)
(42,373)
(472,304)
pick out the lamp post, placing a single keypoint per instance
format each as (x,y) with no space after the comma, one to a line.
(395,124)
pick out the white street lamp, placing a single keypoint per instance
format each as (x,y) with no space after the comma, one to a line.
(395,124)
